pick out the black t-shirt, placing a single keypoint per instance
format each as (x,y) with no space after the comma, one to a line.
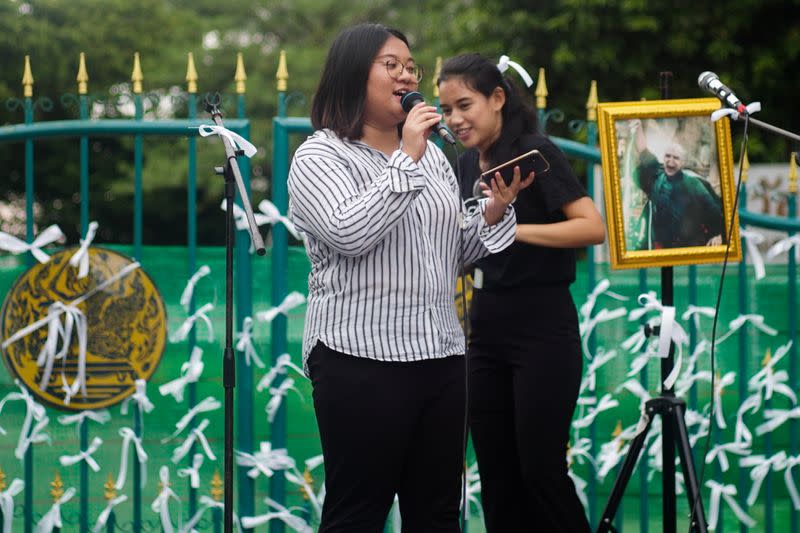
(526,264)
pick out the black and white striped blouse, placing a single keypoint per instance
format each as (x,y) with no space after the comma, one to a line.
(383,234)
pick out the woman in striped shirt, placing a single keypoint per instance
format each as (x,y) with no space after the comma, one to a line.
(381,212)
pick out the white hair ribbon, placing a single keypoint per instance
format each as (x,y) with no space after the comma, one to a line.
(101,417)
(102,518)
(783,246)
(605,403)
(720,453)
(755,320)
(278,393)
(236,140)
(7,503)
(776,418)
(139,397)
(80,259)
(281,513)
(193,472)
(265,461)
(128,438)
(761,466)
(728,492)
(161,504)
(752,239)
(195,435)
(84,455)
(208,404)
(752,108)
(245,343)
(17,246)
(282,366)
(292,300)
(274,216)
(505,62)
(186,295)
(52,519)
(191,371)
(183,330)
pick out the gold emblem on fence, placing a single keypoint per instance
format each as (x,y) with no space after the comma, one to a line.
(123,339)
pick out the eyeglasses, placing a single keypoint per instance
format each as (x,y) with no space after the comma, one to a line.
(395,68)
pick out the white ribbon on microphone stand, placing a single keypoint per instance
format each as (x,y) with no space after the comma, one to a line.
(18,246)
(752,108)
(80,259)
(236,140)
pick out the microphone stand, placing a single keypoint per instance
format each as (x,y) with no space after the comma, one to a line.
(233,179)
(769,127)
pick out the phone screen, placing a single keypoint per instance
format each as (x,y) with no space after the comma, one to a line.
(528,162)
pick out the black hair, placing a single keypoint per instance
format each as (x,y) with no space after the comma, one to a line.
(519,116)
(339,101)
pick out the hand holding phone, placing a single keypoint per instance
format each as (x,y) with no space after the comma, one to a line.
(528,162)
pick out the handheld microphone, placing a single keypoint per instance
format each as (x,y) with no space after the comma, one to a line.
(411,99)
(709,81)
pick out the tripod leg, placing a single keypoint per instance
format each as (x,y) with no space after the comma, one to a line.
(689,474)
(622,480)
(669,519)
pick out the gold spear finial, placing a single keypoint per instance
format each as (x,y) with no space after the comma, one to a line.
(83,75)
(110,491)
(240,76)
(27,78)
(2,480)
(591,103)
(616,433)
(216,487)
(283,73)
(136,77)
(767,358)
(745,166)
(191,75)
(437,71)
(792,174)
(541,90)
(309,479)
(58,487)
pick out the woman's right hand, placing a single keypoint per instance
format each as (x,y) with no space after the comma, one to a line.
(417,128)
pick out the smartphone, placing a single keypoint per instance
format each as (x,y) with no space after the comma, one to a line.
(528,162)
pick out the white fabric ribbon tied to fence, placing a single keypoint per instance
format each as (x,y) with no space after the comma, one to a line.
(771,381)
(139,397)
(208,404)
(84,455)
(201,314)
(80,259)
(783,246)
(281,367)
(273,216)
(245,343)
(589,381)
(193,472)
(278,393)
(292,300)
(102,518)
(161,504)
(265,461)
(206,503)
(720,453)
(191,371)
(776,418)
(33,411)
(752,239)
(728,493)
(196,435)
(188,291)
(7,503)
(281,513)
(755,320)
(761,466)
(605,403)
(128,438)
(101,417)
(52,519)
(791,462)
(14,245)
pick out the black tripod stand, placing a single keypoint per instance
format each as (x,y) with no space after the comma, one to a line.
(671,410)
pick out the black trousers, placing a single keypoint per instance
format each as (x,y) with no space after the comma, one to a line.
(525,367)
(389,428)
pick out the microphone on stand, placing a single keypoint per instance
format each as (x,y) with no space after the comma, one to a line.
(411,99)
(708,81)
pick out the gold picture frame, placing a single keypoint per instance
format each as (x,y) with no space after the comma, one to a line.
(668,183)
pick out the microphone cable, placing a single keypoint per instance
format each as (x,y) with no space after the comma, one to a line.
(743,151)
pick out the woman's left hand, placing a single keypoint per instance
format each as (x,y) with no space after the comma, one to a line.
(501,195)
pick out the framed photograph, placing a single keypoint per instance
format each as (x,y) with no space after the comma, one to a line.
(668,183)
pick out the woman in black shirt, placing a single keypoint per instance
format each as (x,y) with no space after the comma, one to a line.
(523,383)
